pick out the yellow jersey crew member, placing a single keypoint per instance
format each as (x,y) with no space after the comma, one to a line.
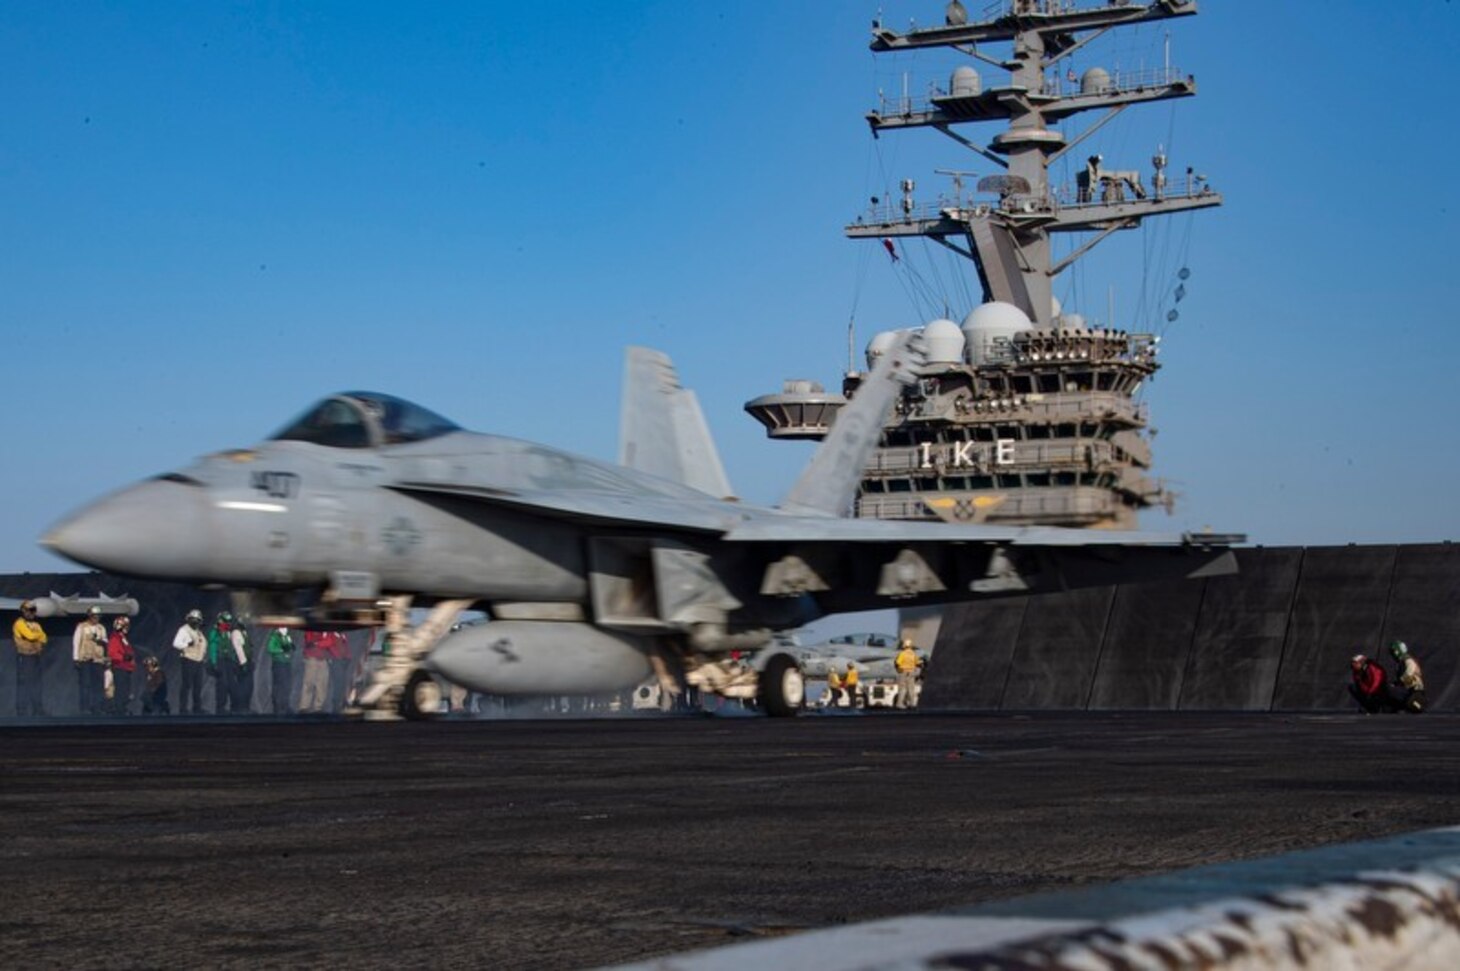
(849,681)
(30,643)
(906,664)
(833,686)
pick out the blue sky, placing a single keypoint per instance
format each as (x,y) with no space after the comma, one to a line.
(214,214)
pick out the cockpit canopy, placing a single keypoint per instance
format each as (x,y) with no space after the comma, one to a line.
(364,419)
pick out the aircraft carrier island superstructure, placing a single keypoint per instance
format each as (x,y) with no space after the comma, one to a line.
(1027,413)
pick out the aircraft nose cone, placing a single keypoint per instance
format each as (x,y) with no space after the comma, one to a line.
(140,530)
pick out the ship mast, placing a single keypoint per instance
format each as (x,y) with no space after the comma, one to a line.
(1008,240)
(1025,413)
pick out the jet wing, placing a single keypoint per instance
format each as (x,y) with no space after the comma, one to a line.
(607,508)
(857,564)
(814,529)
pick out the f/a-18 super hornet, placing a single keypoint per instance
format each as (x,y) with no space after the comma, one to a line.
(593,576)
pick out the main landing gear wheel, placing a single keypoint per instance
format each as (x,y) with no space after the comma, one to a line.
(421,700)
(782,688)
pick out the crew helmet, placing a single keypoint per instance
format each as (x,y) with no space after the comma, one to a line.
(27,606)
(94,611)
(121,623)
(194,614)
(1398,649)
(1359,661)
(225,617)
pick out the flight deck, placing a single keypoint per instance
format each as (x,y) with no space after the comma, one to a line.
(553,844)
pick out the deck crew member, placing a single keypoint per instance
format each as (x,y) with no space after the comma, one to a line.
(849,681)
(123,662)
(1409,680)
(193,645)
(1368,687)
(88,653)
(280,648)
(228,657)
(30,644)
(906,663)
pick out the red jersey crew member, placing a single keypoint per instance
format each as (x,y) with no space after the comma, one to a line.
(123,661)
(1368,687)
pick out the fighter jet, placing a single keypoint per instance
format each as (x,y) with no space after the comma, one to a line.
(872,654)
(593,576)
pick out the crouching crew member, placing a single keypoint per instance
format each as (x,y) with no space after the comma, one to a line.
(1409,681)
(154,697)
(1369,688)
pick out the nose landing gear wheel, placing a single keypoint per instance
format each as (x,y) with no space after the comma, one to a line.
(421,700)
(782,688)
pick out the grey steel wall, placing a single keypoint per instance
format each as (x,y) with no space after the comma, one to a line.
(1277,635)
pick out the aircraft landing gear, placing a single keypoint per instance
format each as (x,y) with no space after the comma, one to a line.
(782,688)
(422,697)
(390,694)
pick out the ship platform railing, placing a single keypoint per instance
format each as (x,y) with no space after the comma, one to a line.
(1055,85)
(996,10)
(1033,505)
(1063,197)
(1037,407)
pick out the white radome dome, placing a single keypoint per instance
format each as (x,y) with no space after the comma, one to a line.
(965,82)
(1095,81)
(990,327)
(879,344)
(945,342)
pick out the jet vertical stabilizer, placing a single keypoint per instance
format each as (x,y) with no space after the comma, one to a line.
(830,481)
(661,428)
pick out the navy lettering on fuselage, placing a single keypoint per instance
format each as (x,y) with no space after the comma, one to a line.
(277,485)
(401,536)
